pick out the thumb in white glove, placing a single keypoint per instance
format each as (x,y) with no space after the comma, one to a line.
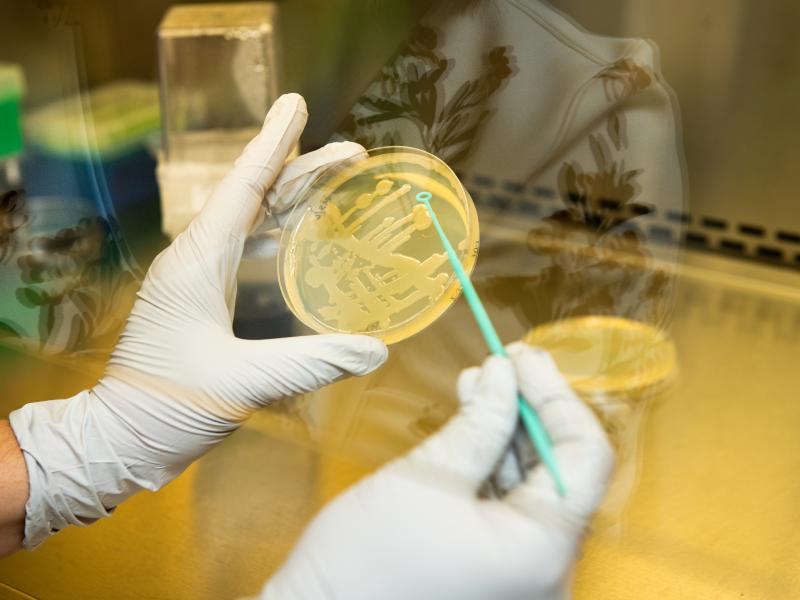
(416,528)
(179,381)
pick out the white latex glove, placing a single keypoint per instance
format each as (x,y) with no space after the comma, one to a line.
(178,381)
(416,529)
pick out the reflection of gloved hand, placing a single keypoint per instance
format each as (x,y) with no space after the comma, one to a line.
(415,529)
(179,381)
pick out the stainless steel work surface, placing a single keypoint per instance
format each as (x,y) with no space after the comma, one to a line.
(712,513)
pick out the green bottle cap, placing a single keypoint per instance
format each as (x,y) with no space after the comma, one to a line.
(12,87)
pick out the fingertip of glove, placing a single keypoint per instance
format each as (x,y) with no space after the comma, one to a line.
(467,381)
(376,353)
(522,352)
(497,365)
(362,353)
(496,377)
(519,348)
(288,113)
(333,153)
(346,147)
(292,100)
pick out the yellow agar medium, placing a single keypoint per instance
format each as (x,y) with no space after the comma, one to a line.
(359,256)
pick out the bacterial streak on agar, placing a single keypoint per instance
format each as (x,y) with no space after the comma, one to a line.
(382,282)
(364,256)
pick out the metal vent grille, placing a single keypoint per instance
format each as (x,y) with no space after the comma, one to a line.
(706,232)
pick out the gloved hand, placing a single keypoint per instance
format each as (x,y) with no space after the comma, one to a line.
(416,528)
(178,381)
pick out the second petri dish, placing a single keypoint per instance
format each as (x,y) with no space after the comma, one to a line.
(359,254)
(608,356)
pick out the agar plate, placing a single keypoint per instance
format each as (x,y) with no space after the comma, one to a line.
(360,255)
(608,356)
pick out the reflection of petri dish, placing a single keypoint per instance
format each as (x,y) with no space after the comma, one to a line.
(359,254)
(608,356)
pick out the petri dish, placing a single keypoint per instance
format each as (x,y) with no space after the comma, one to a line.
(608,355)
(359,254)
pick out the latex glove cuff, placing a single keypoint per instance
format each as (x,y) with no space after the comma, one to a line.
(75,477)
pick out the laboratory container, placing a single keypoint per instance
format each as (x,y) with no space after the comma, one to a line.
(218,70)
(98,145)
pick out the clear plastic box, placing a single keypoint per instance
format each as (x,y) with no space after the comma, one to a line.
(218,68)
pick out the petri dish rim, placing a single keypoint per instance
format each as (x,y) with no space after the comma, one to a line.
(421,319)
(655,371)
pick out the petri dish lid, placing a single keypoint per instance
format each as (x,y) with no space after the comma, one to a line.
(359,254)
(604,355)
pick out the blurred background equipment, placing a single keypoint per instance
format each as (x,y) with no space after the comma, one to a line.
(113,130)
(218,72)
(12,87)
(66,272)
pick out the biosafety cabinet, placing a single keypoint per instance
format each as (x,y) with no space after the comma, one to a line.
(633,170)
